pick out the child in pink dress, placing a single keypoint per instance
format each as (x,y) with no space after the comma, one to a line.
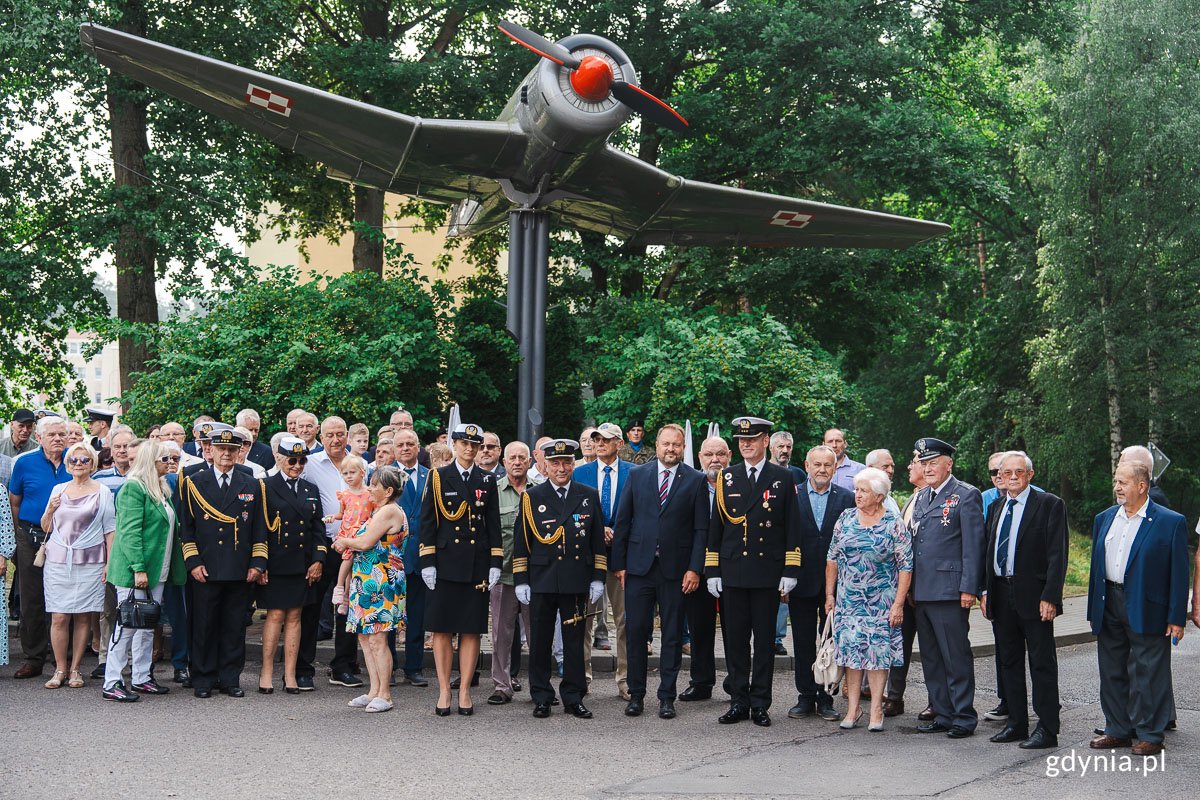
(355,509)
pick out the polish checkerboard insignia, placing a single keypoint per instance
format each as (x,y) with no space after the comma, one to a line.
(271,101)
(791,219)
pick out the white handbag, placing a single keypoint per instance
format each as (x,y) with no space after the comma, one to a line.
(826,672)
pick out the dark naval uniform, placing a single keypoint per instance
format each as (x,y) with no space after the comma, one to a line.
(225,531)
(558,549)
(753,541)
(460,536)
(295,539)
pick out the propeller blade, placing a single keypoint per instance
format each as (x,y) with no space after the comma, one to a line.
(649,106)
(539,44)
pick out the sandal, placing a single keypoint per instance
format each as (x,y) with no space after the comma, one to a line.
(56,681)
(76,681)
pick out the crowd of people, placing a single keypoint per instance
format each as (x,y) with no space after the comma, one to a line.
(392,548)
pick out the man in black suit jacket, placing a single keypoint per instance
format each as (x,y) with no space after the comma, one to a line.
(1024,572)
(753,558)
(817,496)
(658,554)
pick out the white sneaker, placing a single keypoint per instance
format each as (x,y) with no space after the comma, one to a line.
(378,704)
(362,701)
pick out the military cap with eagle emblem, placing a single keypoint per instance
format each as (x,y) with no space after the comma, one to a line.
(291,446)
(929,448)
(560,448)
(467,432)
(228,437)
(751,427)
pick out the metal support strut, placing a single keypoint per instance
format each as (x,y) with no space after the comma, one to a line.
(528,268)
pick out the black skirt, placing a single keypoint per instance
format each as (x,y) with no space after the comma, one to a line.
(282,591)
(454,607)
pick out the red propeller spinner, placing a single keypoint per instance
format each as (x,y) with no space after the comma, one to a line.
(592,78)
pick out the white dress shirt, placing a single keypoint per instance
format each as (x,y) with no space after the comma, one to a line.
(1119,541)
(612,490)
(1018,512)
(670,476)
(758,468)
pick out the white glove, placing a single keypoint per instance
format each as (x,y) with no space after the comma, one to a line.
(786,585)
(429,575)
(595,591)
(714,587)
(524,594)
(493,576)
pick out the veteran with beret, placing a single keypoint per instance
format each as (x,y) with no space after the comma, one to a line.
(559,567)
(461,553)
(752,560)
(295,559)
(223,530)
(948,557)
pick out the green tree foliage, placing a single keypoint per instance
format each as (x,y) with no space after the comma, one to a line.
(354,346)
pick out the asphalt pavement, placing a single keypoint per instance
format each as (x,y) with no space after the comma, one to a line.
(70,743)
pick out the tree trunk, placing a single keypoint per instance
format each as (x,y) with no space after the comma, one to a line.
(1153,377)
(135,252)
(368,241)
(1111,377)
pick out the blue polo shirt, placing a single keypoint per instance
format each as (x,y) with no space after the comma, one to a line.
(33,476)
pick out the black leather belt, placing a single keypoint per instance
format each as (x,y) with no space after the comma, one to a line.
(1113,584)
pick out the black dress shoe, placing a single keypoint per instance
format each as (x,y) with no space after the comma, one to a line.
(780,650)
(541,710)
(233,691)
(345,679)
(692,693)
(202,693)
(180,676)
(553,701)
(1041,740)
(928,715)
(305,683)
(266,690)
(516,685)
(804,706)
(959,732)
(1172,725)
(442,712)
(932,727)
(457,681)
(1010,734)
(416,678)
(734,714)
(292,689)
(577,710)
(825,709)
(666,709)
(498,699)
(635,707)
(466,711)
(760,717)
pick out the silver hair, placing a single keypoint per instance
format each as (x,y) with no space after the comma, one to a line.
(780,436)
(820,448)
(48,420)
(875,456)
(517,445)
(277,438)
(245,415)
(874,479)
(1006,455)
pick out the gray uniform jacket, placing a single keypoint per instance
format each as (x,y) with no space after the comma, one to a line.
(948,543)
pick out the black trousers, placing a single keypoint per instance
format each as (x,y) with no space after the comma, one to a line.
(1014,635)
(345,645)
(217,643)
(808,615)
(414,631)
(34,627)
(543,615)
(642,593)
(750,612)
(700,607)
(897,680)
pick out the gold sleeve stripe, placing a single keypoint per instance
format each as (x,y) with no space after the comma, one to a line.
(427,550)
(258,550)
(711,559)
(322,548)
(601,562)
(520,565)
(791,560)
(498,552)
(190,549)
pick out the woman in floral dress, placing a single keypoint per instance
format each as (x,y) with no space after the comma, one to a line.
(376,601)
(869,566)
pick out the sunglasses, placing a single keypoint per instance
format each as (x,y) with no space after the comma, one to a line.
(993,472)
(490,446)
(291,462)
(76,460)
(169,459)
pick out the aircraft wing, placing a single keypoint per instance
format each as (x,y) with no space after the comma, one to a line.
(617,194)
(435,159)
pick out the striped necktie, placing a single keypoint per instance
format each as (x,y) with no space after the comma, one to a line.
(662,489)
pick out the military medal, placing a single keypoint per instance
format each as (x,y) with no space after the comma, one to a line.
(541,509)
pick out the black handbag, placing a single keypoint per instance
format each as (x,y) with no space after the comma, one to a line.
(136,614)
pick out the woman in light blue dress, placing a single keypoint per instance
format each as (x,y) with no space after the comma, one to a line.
(867,574)
(8,544)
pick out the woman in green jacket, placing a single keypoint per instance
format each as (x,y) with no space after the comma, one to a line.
(146,554)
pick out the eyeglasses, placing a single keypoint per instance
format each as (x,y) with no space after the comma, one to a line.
(490,446)
(169,459)
(291,462)
(77,460)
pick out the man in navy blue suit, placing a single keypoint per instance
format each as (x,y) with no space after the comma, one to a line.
(821,503)
(407,446)
(1137,604)
(607,475)
(658,554)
